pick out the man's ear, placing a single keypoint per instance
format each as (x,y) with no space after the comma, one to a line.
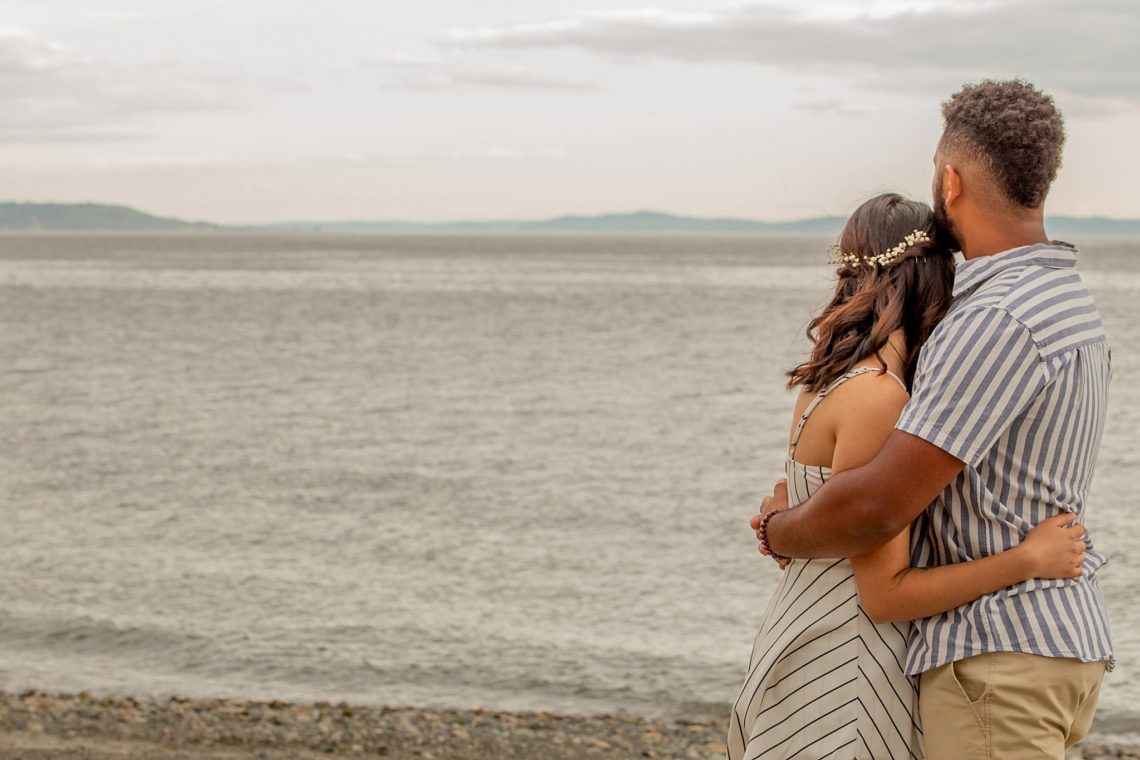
(951,185)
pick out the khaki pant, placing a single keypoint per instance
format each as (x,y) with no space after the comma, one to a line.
(1008,706)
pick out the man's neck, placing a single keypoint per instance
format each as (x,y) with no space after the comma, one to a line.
(1004,236)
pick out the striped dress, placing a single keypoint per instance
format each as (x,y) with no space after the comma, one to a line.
(824,681)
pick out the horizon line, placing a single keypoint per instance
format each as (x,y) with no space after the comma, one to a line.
(507,220)
(605,214)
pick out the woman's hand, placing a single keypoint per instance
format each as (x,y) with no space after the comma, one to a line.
(1055,548)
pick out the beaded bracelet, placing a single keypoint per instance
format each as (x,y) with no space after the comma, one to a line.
(762,533)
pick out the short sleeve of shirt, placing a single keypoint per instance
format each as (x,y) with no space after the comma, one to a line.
(978,372)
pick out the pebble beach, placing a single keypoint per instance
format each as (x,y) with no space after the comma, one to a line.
(36,725)
(39,726)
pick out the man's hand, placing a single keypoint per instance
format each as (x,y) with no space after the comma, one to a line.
(777,501)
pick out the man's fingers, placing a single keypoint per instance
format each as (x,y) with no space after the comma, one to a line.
(780,492)
(778,500)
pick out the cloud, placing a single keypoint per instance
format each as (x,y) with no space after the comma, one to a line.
(1087,49)
(51,93)
(418,73)
(836,106)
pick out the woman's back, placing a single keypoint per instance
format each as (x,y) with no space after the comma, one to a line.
(823,678)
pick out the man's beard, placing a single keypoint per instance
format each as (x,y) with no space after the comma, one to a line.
(946,233)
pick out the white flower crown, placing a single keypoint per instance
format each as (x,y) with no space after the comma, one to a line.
(854,260)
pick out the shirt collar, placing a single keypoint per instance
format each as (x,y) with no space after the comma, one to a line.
(973,272)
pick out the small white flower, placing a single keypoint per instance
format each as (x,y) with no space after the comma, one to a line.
(854,261)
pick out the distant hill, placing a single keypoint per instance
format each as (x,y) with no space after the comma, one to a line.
(86,216)
(637,221)
(96,216)
(657,222)
(1076,226)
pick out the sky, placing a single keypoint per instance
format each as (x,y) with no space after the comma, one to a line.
(246,111)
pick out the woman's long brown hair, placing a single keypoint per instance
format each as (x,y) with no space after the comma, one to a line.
(911,293)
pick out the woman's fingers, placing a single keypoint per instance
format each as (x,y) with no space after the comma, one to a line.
(1080,544)
(1063,520)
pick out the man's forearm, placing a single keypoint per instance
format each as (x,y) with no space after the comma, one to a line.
(843,519)
(861,509)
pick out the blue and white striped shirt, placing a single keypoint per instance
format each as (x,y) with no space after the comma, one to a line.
(1014,383)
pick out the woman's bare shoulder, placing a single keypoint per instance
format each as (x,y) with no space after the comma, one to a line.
(872,396)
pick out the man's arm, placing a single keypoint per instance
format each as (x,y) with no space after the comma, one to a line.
(860,510)
(978,372)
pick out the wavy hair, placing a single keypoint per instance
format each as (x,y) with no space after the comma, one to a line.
(911,293)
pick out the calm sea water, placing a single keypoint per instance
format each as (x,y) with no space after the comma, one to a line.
(502,471)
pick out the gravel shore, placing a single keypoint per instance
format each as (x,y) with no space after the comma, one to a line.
(41,726)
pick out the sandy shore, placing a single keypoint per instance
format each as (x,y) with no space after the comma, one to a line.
(39,726)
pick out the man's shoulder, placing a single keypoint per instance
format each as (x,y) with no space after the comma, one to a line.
(1052,304)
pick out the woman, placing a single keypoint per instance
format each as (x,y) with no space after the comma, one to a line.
(826,674)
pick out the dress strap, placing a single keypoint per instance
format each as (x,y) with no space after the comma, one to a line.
(900,381)
(821,396)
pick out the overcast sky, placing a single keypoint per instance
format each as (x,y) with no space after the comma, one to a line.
(263,110)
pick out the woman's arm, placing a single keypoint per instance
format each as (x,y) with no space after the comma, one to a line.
(889,588)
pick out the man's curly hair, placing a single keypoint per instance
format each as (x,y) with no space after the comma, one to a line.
(1014,129)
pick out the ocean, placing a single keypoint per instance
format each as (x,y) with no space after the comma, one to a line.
(453,470)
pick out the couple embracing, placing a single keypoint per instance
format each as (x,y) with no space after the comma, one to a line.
(943,444)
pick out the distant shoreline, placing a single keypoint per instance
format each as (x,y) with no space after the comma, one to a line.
(31,217)
(266,232)
(40,725)
(443,233)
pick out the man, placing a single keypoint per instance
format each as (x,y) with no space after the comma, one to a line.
(1001,432)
